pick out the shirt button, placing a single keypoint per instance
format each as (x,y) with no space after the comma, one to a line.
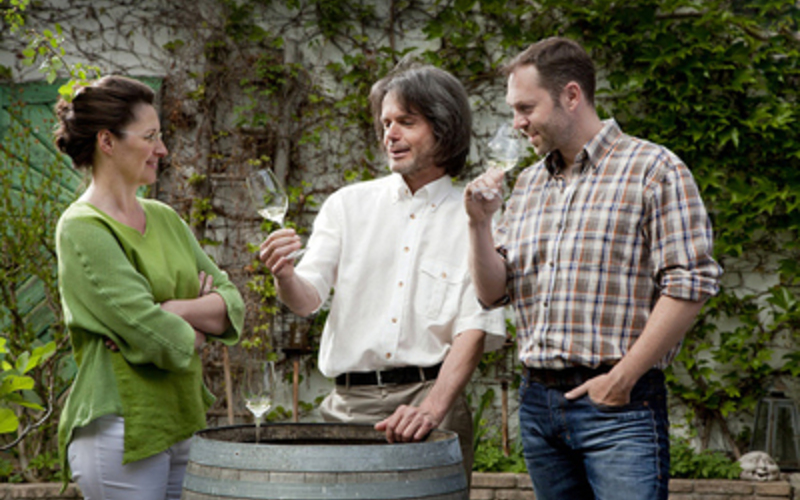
(544,305)
(413,216)
(400,284)
(444,275)
(388,355)
(551,264)
(394,320)
(406,249)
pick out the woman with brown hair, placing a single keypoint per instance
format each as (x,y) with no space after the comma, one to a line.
(140,297)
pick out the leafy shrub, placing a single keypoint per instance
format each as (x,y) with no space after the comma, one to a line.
(489,457)
(487,443)
(7,474)
(687,463)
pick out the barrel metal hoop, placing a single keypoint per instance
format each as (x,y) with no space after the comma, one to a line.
(311,491)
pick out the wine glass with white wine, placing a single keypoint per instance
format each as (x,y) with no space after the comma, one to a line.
(270,199)
(258,388)
(504,148)
(504,153)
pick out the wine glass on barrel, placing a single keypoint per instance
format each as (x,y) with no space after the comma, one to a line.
(258,389)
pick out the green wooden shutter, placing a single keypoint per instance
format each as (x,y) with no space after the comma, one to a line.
(33,176)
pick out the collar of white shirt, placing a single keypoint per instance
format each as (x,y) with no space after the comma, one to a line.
(434,192)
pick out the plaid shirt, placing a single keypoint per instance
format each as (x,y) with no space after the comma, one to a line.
(588,259)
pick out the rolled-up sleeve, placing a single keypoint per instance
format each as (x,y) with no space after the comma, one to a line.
(681,238)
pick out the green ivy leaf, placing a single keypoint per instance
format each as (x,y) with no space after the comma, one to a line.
(8,421)
(12,383)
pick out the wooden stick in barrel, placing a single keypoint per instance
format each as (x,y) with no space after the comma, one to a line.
(297,346)
(295,388)
(504,418)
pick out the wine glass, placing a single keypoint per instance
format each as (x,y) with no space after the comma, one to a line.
(270,199)
(258,387)
(504,152)
(504,148)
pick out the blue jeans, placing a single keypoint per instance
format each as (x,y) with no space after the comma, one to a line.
(579,450)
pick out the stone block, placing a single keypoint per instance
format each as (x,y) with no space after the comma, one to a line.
(727,486)
(773,489)
(44,491)
(524,482)
(481,494)
(494,480)
(514,495)
(681,485)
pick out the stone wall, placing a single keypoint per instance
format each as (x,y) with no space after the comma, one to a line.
(39,491)
(499,486)
(502,486)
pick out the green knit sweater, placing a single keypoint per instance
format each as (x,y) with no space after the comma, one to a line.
(112,279)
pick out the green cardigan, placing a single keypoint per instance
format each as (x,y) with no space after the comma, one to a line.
(112,279)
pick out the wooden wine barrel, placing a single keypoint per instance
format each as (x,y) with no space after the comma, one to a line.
(321,461)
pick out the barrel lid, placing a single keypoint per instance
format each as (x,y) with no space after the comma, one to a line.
(320,447)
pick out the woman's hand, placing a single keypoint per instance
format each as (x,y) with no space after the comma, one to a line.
(206,287)
(199,340)
(206,284)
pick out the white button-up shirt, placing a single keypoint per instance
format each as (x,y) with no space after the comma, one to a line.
(397,263)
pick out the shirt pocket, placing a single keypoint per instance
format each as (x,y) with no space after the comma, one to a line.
(439,289)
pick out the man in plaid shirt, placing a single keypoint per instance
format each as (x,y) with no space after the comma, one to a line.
(604,249)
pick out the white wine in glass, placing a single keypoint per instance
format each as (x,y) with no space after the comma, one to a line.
(269,199)
(257,389)
(275,214)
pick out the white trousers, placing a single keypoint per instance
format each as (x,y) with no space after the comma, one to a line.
(95,457)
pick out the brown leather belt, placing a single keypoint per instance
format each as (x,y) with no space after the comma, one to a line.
(395,376)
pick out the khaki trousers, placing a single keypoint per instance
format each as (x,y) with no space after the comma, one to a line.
(372,403)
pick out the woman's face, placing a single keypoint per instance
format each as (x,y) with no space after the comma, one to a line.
(140,147)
